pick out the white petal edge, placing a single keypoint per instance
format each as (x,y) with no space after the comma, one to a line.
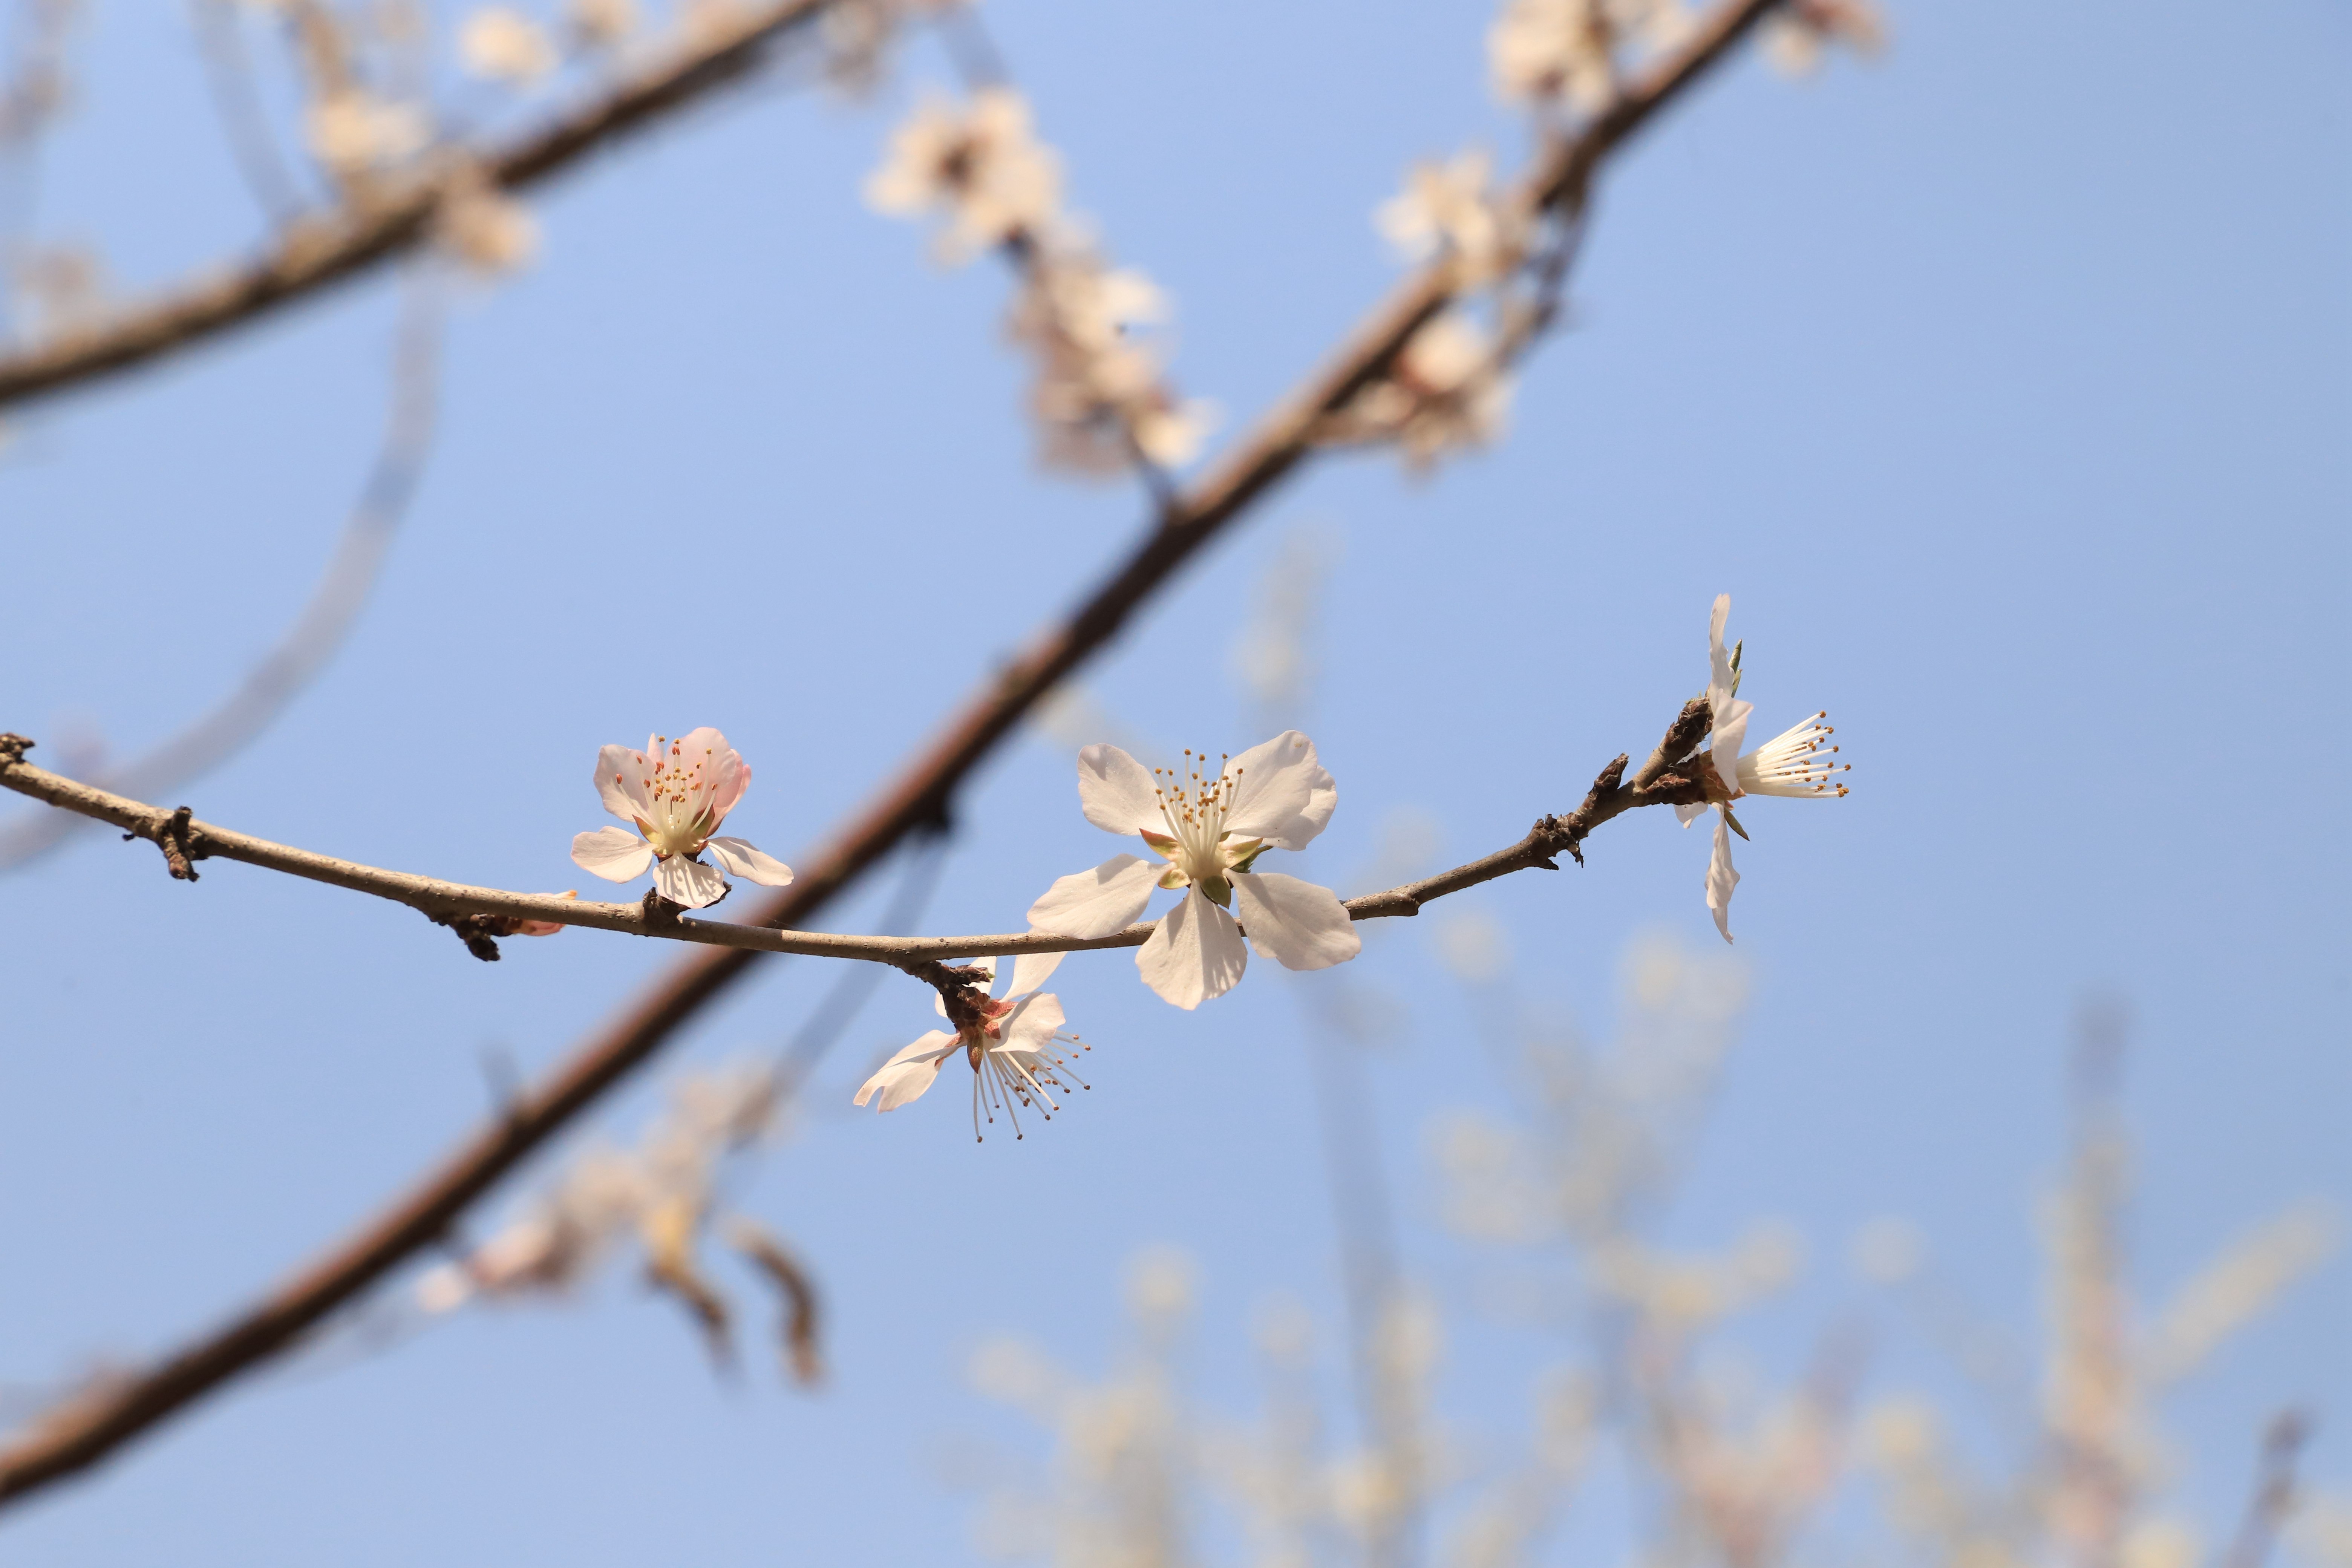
(1196,954)
(1115,792)
(617,773)
(1028,1026)
(752,865)
(689,883)
(615,854)
(1097,902)
(1032,969)
(1297,923)
(905,1076)
(1284,793)
(1686,815)
(1721,878)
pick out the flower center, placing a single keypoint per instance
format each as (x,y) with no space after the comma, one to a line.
(1193,803)
(1795,763)
(677,790)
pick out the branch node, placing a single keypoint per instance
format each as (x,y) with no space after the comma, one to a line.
(12,748)
(178,843)
(478,933)
(659,912)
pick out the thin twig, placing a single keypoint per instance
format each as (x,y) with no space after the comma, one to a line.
(2274,1491)
(317,250)
(334,606)
(77,1436)
(480,914)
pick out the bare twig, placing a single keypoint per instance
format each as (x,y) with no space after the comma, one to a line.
(316,251)
(77,1436)
(481,914)
(334,606)
(2274,1491)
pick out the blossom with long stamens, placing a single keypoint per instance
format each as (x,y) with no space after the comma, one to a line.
(1014,1044)
(1794,762)
(1210,829)
(675,793)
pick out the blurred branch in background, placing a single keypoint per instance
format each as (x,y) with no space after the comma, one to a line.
(396,207)
(72,1438)
(318,633)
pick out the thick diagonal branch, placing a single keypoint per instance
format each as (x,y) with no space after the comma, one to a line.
(316,251)
(80,1434)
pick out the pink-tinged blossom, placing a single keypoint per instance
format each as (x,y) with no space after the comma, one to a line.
(1795,763)
(1209,832)
(1013,1043)
(675,793)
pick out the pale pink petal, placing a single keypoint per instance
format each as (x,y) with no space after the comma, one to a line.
(1032,969)
(620,776)
(1282,793)
(1097,902)
(1721,878)
(544,928)
(1028,1027)
(1686,815)
(689,882)
(905,1076)
(615,854)
(752,865)
(1115,792)
(1295,923)
(1196,954)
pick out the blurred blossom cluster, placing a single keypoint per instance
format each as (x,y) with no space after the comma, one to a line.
(1099,397)
(1728,1467)
(661,1194)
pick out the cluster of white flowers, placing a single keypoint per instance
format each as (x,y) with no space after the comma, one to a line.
(1100,399)
(1453,209)
(1449,391)
(485,229)
(503,45)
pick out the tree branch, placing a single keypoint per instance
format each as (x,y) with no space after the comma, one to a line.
(316,251)
(481,914)
(84,1431)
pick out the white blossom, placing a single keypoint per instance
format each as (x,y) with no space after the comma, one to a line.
(1209,831)
(502,44)
(1098,396)
(1012,1044)
(1450,207)
(980,163)
(675,793)
(1447,392)
(1794,762)
(1795,37)
(353,131)
(1543,50)
(484,228)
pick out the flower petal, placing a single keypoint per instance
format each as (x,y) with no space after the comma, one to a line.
(1281,792)
(547,927)
(1721,878)
(615,854)
(905,1076)
(1686,815)
(1032,969)
(752,865)
(1097,902)
(1730,714)
(620,785)
(1294,922)
(689,882)
(1196,954)
(1115,792)
(1029,1026)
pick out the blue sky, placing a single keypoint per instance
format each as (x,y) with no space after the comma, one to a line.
(2002,383)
